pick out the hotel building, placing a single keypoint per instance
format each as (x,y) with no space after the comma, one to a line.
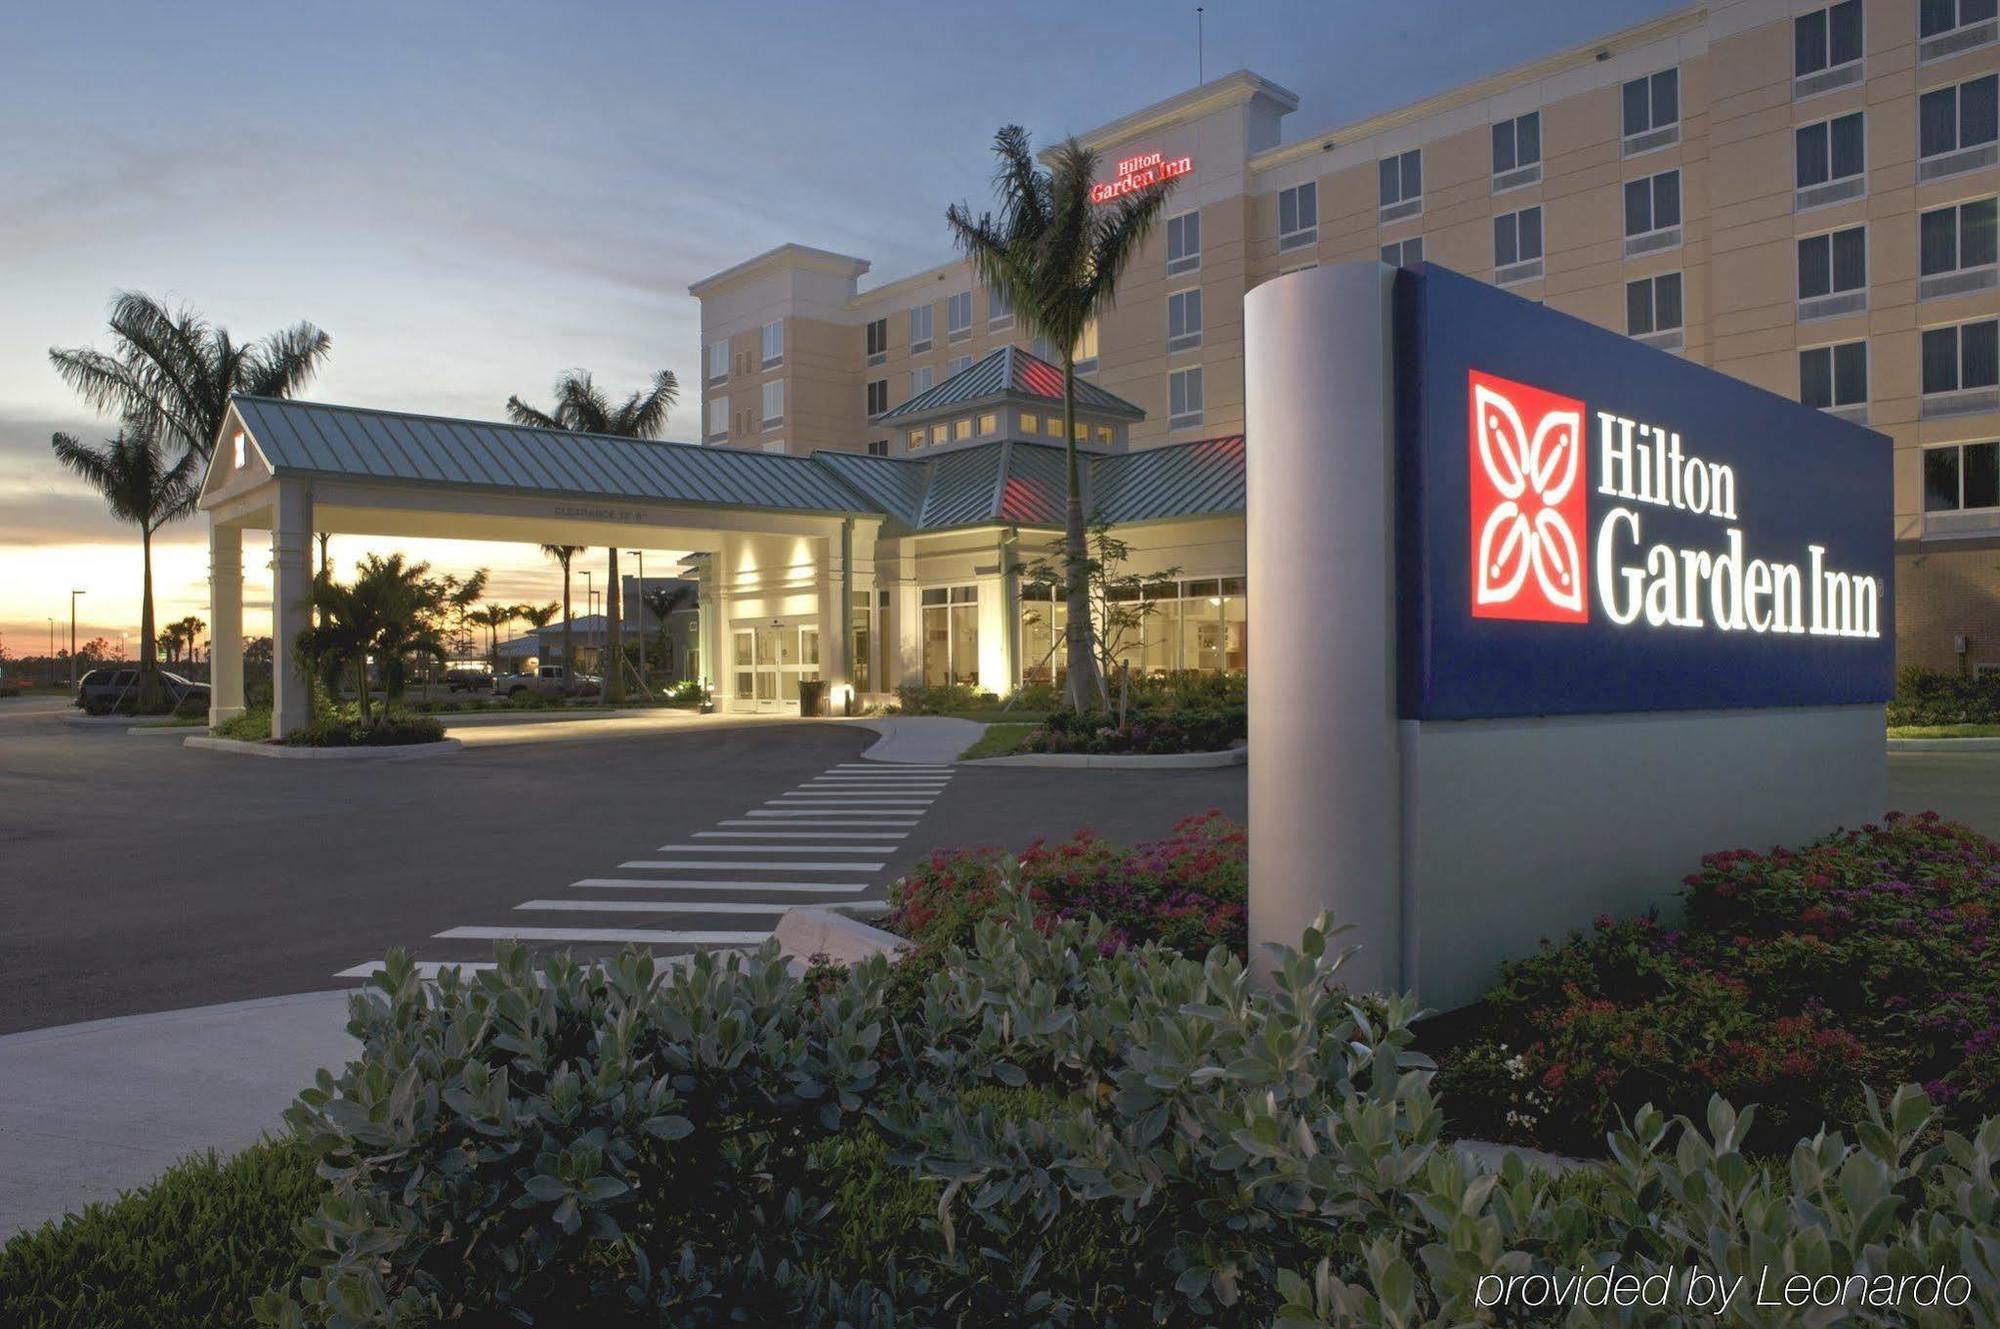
(1799,194)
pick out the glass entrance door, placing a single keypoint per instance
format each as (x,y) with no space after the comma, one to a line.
(769,660)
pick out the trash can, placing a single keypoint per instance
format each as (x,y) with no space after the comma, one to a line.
(812,696)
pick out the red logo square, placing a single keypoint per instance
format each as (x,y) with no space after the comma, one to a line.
(1529,474)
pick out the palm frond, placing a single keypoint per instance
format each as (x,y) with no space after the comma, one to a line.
(285,361)
(523,414)
(644,414)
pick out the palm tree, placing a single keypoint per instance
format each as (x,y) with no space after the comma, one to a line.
(538,617)
(131,471)
(582,407)
(187,632)
(173,372)
(662,601)
(494,617)
(390,612)
(564,554)
(1057,257)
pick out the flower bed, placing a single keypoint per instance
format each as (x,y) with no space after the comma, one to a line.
(1800,979)
(393,731)
(1187,892)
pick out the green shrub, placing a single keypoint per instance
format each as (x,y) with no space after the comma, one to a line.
(687,692)
(1800,979)
(386,732)
(942,699)
(192,1249)
(1049,1136)
(9,690)
(252,726)
(1928,697)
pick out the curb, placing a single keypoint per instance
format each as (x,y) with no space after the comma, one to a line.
(401,752)
(162,728)
(452,719)
(1944,745)
(1160,761)
(98,721)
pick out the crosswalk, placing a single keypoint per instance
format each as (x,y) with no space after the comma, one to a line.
(827,842)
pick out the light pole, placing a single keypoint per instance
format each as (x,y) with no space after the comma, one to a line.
(72,638)
(640,554)
(52,652)
(589,601)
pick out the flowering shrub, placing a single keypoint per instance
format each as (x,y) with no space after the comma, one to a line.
(1928,697)
(1800,979)
(1187,892)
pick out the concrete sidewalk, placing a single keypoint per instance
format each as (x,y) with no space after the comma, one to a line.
(90,1110)
(922,740)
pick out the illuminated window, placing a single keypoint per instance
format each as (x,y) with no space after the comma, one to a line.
(940,433)
(774,344)
(989,422)
(951,635)
(878,397)
(1105,436)
(1183,243)
(1184,320)
(1031,423)
(774,404)
(920,329)
(961,429)
(1298,215)
(718,360)
(1086,348)
(1184,398)
(916,439)
(958,316)
(1832,377)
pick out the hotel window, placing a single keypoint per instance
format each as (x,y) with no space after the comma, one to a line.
(961,429)
(1401,180)
(1184,320)
(1517,246)
(774,345)
(1833,273)
(1961,369)
(1652,213)
(1184,398)
(1086,349)
(989,422)
(915,440)
(878,341)
(774,403)
(1831,159)
(920,380)
(1962,476)
(878,396)
(920,329)
(718,418)
(1196,624)
(1947,27)
(1958,128)
(878,447)
(940,433)
(1653,309)
(1298,215)
(1517,151)
(957,364)
(951,635)
(1403,253)
(718,361)
(958,316)
(1183,243)
(1955,250)
(999,314)
(1031,423)
(1835,378)
(1652,112)
(1106,436)
(1826,49)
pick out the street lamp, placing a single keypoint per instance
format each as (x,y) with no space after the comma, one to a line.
(52,652)
(640,554)
(72,637)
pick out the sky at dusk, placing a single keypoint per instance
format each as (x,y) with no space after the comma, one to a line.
(473,198)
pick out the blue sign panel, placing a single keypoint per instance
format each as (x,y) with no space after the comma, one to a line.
(1590,525)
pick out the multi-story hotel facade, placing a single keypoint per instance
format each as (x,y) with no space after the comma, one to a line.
(1799,194)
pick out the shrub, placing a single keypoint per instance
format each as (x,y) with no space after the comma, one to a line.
(1054,1137)
(387,732)
(942,699)
(1188,892)
(252,726)
(193,708)
(687,692)
(1928,697)
(9,690)
(192,1249)
(1800,978)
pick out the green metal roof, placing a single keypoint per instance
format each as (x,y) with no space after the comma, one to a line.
(1010,373)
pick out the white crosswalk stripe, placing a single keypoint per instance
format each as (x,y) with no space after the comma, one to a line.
(843,822)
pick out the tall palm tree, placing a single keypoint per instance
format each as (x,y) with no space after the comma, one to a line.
(390,612)
(140,486)
(494,617)
(173,372)
(582,407)
(1057,257)
(565,555)
(538,617)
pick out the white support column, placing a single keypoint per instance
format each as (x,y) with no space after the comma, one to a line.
(225,622)
(842,689)
(909,652)
(291,591)
(828,579)
(723,639)
(1010,613)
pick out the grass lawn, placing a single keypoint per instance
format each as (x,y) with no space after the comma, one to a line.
(997,741)
(1945,731)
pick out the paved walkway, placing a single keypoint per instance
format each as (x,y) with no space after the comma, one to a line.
(89,1110)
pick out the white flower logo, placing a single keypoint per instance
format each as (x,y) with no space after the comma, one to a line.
(1525,532)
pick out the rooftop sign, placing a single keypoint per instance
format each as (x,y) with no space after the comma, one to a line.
(1140,171)
(1593,526)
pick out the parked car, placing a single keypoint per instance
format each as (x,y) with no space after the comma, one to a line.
(548,680)
(111,686)
(467,680)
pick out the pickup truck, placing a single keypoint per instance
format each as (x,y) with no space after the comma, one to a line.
(548,680)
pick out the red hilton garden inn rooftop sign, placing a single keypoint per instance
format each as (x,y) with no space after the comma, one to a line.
(1140,171)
